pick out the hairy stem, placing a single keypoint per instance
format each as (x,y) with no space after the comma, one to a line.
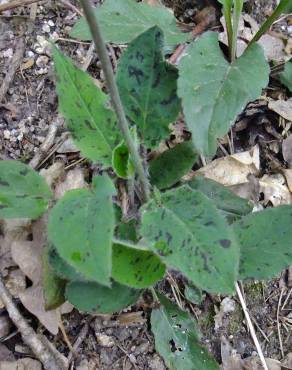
(115,96)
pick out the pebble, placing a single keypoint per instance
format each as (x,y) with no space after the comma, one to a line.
(8,53)
(42,61)
(104,340)
(6,134)
(42,46)
(46,28)
(51,23)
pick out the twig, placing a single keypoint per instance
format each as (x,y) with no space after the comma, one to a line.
(251,327)
(15,4)
(81,336)
(29,336)
(72,7)
(278,323)
(115,96)
(13,66)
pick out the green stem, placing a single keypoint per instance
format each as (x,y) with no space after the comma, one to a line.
(268,23)
(115,96)
(155,296)
(227,7)
(238,5)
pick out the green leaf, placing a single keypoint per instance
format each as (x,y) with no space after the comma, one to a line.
(176,339)
(62,268)
(123,20)
(286,76)
(265,242)
(191,236)
(214,92)
(23,192)
(148,87)
(94,298)
(53,285)
(231,206)
(86,109)
(136,268)
(167,169)
(193,294)
(81,229)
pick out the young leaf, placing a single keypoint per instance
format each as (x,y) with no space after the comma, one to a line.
(167,169)
(214,92)
(136,268)
(94,298)
(176,339)
(286,76)
(148,87)
(81,229)
(54,286)
(85,107)
(191,236)
(23,192)
(265,242)
(123,20)
(231,206)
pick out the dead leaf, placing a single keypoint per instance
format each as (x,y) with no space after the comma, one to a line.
(131,318)
(22,364)
(287,150)
(275,190)
(274,48)
(74,179)
(282,107)
(5,354)
(233,169)
(53,173)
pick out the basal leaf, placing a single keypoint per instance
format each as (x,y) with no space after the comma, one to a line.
(94,298)
(23,192)
(62,268)
(123,20)
(214,92)
(265,242)
(286,76)
(231,206)
(189,234)
(85,107)
(148,87)
(176,339)
(81,229)
(53,285)
(136,268)
(167,169)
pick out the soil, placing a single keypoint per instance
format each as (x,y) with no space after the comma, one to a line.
(28,110)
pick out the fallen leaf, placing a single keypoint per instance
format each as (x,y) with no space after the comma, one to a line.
(282,107)
(287,150)
(233,169)
(53,173)
(275,190)
(274,48)
(288,176)
(74,179)
(5,354)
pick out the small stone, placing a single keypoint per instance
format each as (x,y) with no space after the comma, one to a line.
(29,54)
(8,53)
(6,134)
(51,23)
(42,61)
(42,46)
(104,340)
(46,28)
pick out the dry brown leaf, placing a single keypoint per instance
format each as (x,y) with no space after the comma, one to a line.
(74,180)
(22,364)
(275,190)
(273,48)
(131,318)
(282,107)
(287,150)
(53,173)
(288,176)
(233,169)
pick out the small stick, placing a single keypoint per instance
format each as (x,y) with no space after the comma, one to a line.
(251,327)
(115,96)
(29,336)
(15,4)
(278,323)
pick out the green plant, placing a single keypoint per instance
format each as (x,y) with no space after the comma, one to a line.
(102,263)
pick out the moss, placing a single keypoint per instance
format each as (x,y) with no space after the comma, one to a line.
(235,320)
(254,292)
(206,320)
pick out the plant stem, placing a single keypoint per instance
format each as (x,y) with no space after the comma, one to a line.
(268,23)
(155,296)
(115,96)
(238,5)
(227,7)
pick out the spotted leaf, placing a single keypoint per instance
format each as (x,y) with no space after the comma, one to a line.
(81,229)
(23,192)
(86,110)
(177,339)
(148,87)
(189,234)
(94,298)
(265,242)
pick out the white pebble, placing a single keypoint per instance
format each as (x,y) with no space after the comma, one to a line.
(6,134)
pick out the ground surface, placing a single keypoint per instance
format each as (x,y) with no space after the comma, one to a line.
(28,109)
